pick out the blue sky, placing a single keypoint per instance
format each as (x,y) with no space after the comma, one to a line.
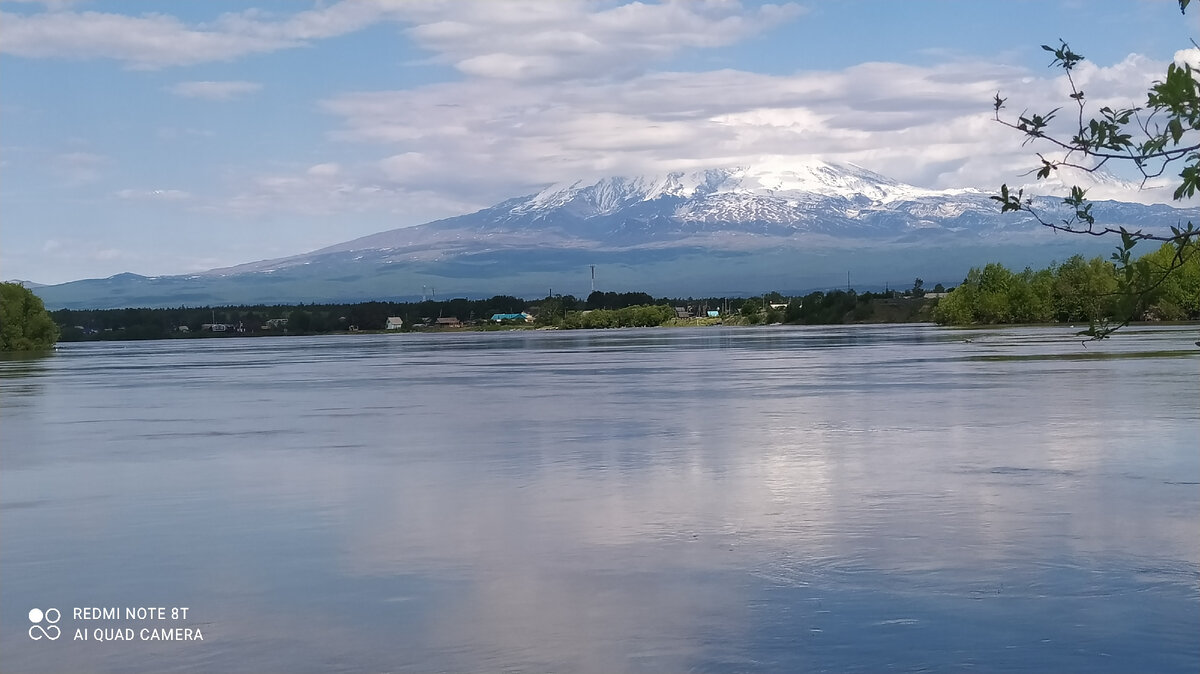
(176,137)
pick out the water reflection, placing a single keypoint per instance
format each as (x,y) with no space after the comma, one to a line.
(665,500)
(20,372)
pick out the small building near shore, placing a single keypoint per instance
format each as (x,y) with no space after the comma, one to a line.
(499,318)
(394,323)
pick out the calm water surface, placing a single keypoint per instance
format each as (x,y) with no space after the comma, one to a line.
(774,499)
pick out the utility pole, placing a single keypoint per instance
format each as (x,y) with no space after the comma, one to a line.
(593,277)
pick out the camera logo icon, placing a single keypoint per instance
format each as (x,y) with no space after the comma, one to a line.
(50,630)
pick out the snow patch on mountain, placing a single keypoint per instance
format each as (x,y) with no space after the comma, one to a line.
(771,191)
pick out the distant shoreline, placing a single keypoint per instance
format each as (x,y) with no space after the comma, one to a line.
(1075,328)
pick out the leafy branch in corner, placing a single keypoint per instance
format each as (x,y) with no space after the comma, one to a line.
(1162,135)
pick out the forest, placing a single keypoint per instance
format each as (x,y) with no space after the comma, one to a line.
(1160,287)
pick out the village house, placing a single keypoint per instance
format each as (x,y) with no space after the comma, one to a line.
(498,318)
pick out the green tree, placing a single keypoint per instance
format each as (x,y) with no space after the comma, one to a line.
(1085,290)
(24,323)
(956,308)
(1031,296)
(1177,297)
(1161,136)
(992,285)
(794,312)
(299,320)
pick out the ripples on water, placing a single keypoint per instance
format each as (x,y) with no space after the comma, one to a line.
(775,499)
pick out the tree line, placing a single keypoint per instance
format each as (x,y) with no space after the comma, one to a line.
(1162,285)
(1078,290)
(261,319)
(597,310)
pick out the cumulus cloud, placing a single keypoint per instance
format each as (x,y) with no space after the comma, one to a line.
(515,40)
(1189,57)
(928,125)
(214,91)
(568,90)
(669,121)
(533,40)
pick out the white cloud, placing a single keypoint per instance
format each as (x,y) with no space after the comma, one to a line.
(160,40)
(1189,57)
(931,126)
(535,40)
(51,4)
(148,41)
(324,170)
(520,39)
(154,195)
(566,90)
(214,91)
(327,189)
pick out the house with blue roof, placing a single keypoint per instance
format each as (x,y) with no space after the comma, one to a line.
(524,317)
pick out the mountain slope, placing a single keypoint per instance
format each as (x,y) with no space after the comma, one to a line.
(683,232)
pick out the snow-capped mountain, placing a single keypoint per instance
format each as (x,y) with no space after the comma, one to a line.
(774,226)
(815,204)
(729,189)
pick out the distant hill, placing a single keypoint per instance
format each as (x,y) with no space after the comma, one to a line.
(713,232)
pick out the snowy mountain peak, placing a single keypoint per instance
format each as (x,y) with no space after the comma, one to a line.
(782,180)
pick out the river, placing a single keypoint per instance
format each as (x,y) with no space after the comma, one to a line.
(867,498)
